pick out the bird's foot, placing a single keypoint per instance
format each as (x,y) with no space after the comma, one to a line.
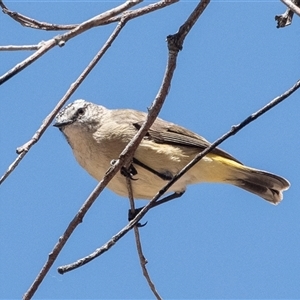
(132,215)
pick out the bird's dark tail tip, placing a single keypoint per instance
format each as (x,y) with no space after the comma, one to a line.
(266,185)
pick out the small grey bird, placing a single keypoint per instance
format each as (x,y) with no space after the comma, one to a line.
(98,135)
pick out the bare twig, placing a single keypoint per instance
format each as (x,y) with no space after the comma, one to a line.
(32,23)
(142,11)
(143,260)
(19,48)
(285,19)
(46,46)
(26,147)
(234,129)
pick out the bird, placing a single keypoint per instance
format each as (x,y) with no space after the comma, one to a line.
(97,136)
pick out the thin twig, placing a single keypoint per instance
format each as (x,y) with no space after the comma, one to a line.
(19,48)
(143,263)
(127,153)
(143,260)
(141,11)
(46,46)
(32,23)
(60,40)
(234,129)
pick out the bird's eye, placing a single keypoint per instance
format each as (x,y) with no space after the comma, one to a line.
(80,112)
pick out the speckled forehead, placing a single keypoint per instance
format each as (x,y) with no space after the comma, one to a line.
(72,107)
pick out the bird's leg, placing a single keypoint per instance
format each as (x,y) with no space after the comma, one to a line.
(127,172)
(131,171)
(131,215)
(166,176)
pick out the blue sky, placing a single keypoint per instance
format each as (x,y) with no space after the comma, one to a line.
(217,241)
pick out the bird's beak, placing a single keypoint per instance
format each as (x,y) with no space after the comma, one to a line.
(62,123)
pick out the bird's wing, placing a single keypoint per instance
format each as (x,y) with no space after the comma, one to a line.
(163,132)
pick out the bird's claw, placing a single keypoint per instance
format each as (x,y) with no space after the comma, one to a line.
(139,225)
(129,173)
(132,215)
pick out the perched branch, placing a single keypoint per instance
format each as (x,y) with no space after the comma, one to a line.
(285,19)
(126,155)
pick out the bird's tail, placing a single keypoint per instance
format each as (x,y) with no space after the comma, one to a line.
(266,185)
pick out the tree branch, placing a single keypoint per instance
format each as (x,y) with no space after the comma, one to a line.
(32,23)
(143,260)
(20,48)
(124,158)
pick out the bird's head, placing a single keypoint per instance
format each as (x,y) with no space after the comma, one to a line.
(80,115)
